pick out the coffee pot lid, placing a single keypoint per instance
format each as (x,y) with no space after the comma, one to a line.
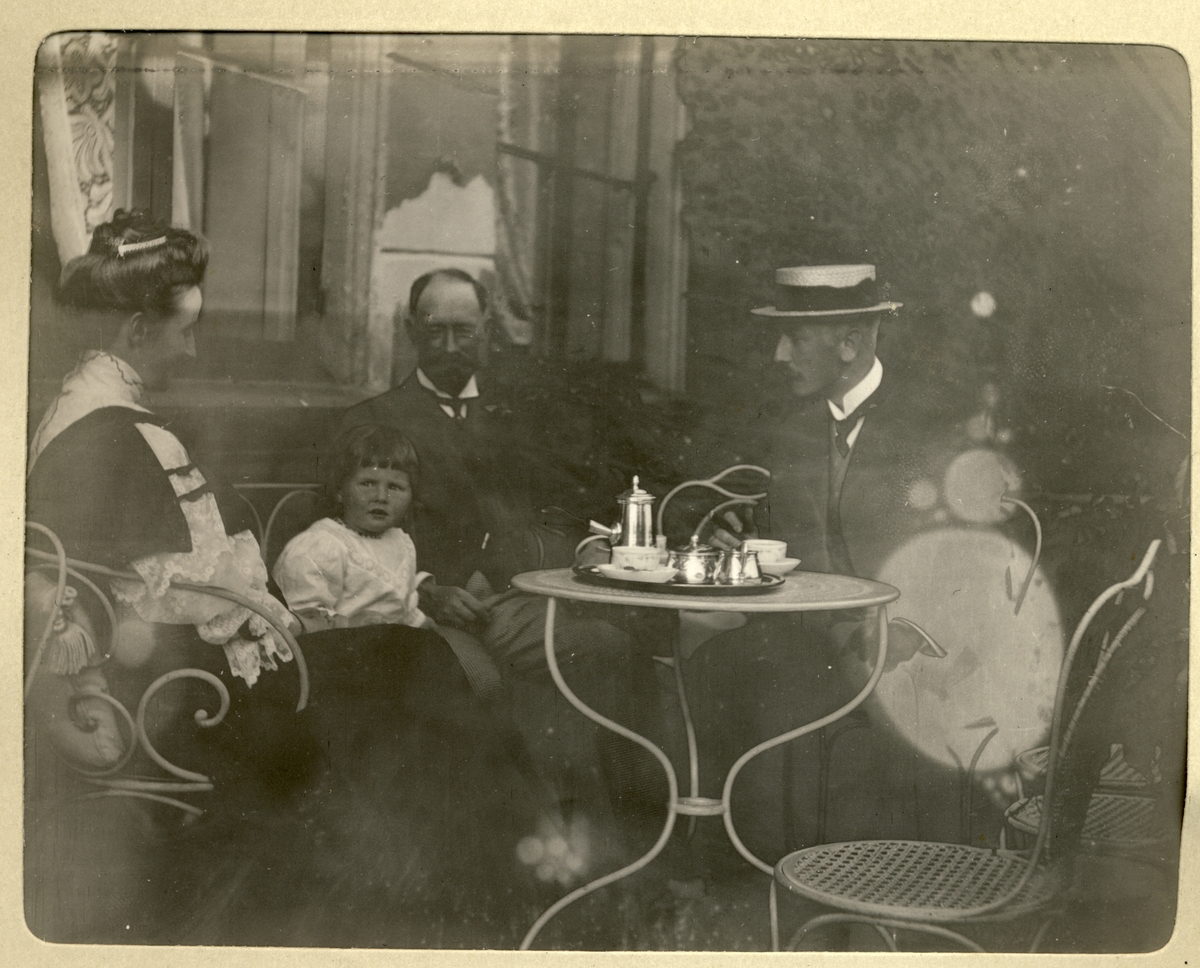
(635,495)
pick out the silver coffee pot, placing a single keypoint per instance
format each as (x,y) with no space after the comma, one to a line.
(635,529)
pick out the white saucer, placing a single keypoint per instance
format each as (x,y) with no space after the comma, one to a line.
(778,568)
(656,576)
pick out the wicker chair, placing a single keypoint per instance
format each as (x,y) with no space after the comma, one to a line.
(923,887)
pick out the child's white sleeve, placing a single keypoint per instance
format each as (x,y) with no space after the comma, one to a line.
(311,573)
(414,617)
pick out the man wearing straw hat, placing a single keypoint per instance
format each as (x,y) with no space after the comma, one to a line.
(829,317)
(845,464)
(846,467)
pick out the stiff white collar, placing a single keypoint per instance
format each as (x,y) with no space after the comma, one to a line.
(469,392)
(100,380)
(858,394)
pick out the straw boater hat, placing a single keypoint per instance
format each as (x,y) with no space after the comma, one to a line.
(825,291)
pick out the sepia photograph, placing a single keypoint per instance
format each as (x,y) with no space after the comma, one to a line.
(606,492)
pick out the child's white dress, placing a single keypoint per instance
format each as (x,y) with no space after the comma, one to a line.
(341,573)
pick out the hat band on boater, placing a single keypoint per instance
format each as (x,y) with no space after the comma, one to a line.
(819,299)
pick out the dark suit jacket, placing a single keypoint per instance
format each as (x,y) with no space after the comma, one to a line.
(904,445)
(468,483)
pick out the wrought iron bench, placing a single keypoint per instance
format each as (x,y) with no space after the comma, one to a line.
(66,647)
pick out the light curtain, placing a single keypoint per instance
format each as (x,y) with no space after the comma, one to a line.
(76,83)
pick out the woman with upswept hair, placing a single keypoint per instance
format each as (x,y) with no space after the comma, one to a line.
(379,816)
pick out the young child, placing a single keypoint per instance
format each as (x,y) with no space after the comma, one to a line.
(357,566)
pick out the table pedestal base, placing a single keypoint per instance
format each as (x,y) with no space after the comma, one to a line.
(693,805)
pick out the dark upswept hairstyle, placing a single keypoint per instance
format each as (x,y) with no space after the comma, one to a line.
(149,279)
(422,282)
(370,445)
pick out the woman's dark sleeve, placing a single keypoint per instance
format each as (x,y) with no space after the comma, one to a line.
(100,488)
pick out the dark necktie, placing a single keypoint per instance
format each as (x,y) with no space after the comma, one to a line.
(453,407)
(842,430)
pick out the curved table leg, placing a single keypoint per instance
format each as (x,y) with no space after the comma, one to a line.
(796,734)
(672,786)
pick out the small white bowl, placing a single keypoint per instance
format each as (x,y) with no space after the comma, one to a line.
(778,568)
(641,558)
(654,576)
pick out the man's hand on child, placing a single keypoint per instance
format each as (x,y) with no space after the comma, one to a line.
(317,620)
(454,606)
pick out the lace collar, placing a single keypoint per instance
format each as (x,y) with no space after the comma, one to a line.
(100,380)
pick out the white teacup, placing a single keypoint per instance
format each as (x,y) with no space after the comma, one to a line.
(637,558)
(768,550)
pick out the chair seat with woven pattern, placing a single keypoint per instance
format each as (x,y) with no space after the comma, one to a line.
(1114,821)
(923,888)
(913,880)
(1116,775)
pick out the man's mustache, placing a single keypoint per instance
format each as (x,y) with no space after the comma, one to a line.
(454,361)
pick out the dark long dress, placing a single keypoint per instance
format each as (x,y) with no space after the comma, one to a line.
(387,813)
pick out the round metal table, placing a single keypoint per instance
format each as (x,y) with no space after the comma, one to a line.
(801,592)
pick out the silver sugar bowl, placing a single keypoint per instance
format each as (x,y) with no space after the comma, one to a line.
(695,564)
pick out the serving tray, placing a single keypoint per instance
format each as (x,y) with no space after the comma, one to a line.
(592,576)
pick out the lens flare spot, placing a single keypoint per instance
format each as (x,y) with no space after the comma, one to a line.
(1000,666)
(979,427)
(923,495)
(530,851)
(558,852)
(983,304)
(975,482)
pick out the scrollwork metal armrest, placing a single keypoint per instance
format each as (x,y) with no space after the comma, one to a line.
(181,780)
(712,484)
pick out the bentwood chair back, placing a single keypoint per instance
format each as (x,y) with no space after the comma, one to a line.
(1125,813)
(925,887)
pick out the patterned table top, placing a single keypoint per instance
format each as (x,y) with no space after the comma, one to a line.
(802,591)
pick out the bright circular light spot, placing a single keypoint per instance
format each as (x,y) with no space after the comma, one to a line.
(1001,668)
(923,495)
(556,847)
(983,304)
(975,482)
(530,850)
